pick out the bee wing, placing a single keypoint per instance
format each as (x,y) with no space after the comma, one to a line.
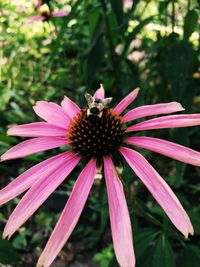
(89,99)
(106,101)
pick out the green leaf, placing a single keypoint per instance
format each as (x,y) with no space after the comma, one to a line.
(142,240)
(8,254)
(105,256)
(190,23)
(93,18)
(163,6)
(96,53)
(190,256)
(117,7)
(20,241)
(162,253)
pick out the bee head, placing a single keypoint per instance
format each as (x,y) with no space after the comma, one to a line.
(96,105)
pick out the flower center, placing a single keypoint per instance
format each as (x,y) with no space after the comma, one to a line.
(96,136)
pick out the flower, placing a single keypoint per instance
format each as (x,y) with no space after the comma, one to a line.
(95,134)
(128,4)
(45,14)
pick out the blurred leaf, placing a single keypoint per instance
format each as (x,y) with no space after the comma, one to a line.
(104,257)
(163,5)
(8,254)
(162,253)
(20,241)
(113,262)
(93,17)
(178,72)
(195,218)
(190,23)
(117,7)
(190,256)
(72,14)
(7,139)
(142,240)
(179,136)
(4,97)
(96,53)
(135,31)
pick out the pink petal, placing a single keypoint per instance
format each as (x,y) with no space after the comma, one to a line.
(126,101)
(119,216)
(159,189)
(35,18)
(128,4)
(151,110)
(70,107)
(100,93)
(29,177)
(70,214)
(36,129)
(166,148)
(60,13)
(172,121)
(32,146)
(38,193)
(52,113)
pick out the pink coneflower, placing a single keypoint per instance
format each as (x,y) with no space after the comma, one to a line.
(44,13)
(95,133)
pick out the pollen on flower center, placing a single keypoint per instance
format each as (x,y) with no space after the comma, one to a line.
(94,136)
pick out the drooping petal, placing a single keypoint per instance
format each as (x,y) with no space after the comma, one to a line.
(100,93)
(32,146)
(29,177)
(171,121)
(159,189)
(36,129)
(126,101)
(38,193)
(166,148)
(70,107)
(150,110)
(60,13)
(119,216)
(52,113)
(70,215)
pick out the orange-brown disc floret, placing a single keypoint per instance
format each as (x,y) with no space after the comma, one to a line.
(94,136)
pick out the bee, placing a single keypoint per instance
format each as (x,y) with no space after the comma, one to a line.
(96,105)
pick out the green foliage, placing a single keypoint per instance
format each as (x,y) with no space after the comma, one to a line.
(162,253)
(190,256)
(104,257)
(8,254)
(190,23)
(151,44)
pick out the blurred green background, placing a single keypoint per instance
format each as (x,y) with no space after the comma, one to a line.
(123,44)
